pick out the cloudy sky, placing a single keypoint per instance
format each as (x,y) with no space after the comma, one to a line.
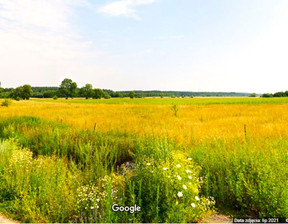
(191,45)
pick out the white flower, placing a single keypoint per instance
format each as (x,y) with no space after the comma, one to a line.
(92,208)
(180,194)
(178,165)
(189,177)
(188,171)
(148,164)
(185,187)
(97,199)
(197,199)
(190,159)
(179,178)
(193,205)
(165,168)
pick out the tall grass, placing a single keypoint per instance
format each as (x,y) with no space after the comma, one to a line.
(72,175)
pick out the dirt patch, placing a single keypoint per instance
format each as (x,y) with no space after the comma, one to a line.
(217,218)
(3,219)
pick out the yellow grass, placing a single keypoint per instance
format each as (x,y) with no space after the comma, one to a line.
(197,122)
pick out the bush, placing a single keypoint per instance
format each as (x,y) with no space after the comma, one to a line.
(55,97)
(168,190)
(6,103)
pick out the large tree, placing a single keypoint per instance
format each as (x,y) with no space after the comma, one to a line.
(98,93)
(68,88)
(132,94)
(27,92)
(86,91)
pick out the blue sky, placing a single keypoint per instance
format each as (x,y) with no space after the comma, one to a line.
(191,45)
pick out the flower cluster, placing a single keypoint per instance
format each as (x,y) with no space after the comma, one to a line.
(92,198)
(179,177)
(21,160)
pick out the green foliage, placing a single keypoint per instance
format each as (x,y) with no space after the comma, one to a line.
(169,189)
(161,95)
(87,91)
(132,94)
(175,109)
(98,93)
(6,103)
(50,93)
(246,178)
(22,92)
(267,95)
(55,97)
(253,95)
(38,190)
(73,175)
(27,92)
(68,88)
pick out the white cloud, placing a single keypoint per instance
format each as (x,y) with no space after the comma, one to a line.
(124,8)
(39,45)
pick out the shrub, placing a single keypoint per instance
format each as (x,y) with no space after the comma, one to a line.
(6,103)
(168,191)
(55,97)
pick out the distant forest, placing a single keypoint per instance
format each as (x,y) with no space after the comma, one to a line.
(50,92)
(69,89)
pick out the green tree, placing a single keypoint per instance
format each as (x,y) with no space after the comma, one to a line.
(86,91)
(132,94)
(253,95)
(106,95)
(17,93)
(161,95)
(98,93)
(68,88)
(27,92)
(267,95)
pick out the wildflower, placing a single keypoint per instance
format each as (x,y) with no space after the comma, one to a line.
(193,205)
(178,165)
(188,171)
(92,208)
(179,178)
(97,199)
(165,168)
(190,159)
(148,164)
(185,187)
(180,194)
(189,177)
(197,198)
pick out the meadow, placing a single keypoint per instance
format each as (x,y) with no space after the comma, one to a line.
(70,160)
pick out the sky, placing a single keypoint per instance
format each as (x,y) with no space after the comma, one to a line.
(182,45)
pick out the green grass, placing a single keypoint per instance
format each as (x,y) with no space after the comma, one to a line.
(50,172)
(182,101)
(67,175)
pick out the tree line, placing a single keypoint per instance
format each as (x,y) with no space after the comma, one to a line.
(70,89)
(277,94)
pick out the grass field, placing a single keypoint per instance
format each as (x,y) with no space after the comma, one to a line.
(70,160)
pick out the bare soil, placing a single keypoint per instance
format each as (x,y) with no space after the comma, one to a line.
(4,219)
(218,218)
